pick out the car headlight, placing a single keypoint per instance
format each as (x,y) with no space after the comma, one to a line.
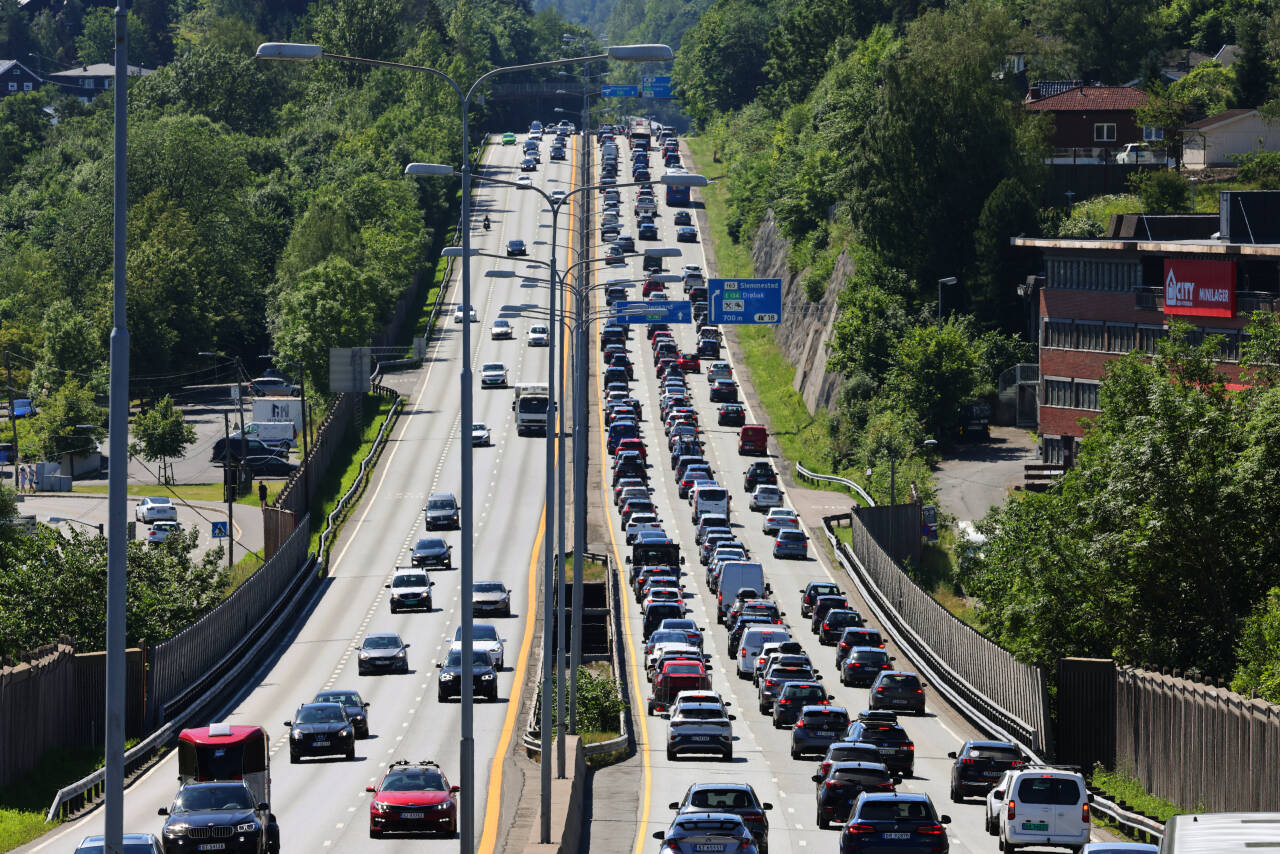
(379,806)
(506,597)
(400,654)
(346,731)
(364,656)
(247,827)
(176,829)
(445,677)
(296,734)
(486,676)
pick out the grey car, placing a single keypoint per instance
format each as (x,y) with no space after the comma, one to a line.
(817,728)
(736,798)
(133,843)
(700,728)
(693,833)
(441,511)
(383,652)
(491,597)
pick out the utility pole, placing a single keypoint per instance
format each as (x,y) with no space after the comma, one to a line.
(229,489)
(13,420)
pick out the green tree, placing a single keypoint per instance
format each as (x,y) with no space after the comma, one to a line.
(872,319)
(68,422)
(1258,652)
(1109,36)
(71,348)
(1205,90)
(1254,70)
(23,128)
(96,41)
(999,267)
(1162,191)
(935,369)
(720,66)
(162,433)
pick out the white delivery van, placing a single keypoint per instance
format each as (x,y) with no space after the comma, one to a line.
(735,576)
(709,497)
(1045,806)
(270,432)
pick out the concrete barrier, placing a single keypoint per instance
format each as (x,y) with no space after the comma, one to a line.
(566,806)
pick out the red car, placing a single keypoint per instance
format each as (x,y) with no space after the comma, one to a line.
(689,362)
(677,676)
(413,797)
(634,445)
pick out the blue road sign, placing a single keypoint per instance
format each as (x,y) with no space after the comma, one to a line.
(744,300)
(219,530)
(655,86)
(653,311)
(619,91)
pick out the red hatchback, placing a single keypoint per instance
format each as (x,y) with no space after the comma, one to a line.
(676,676)
(413,797)
(634,445)
(689,363)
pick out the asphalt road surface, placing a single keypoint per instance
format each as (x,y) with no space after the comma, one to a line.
(321,804)
(761,753)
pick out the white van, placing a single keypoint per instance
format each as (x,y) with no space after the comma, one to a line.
(753,640)
(273,432)
(1045,806)
(709,497)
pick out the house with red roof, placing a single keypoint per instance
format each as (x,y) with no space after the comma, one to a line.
(1091,121)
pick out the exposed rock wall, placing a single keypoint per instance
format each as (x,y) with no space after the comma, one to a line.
(805,328)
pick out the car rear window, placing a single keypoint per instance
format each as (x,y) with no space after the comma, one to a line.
(826,720)
(869,657)
(895,811)
(884,734)
(1059,791)
(903,681)
(862,777)
(998,754)
(711,495)
(805,692)
(855,754)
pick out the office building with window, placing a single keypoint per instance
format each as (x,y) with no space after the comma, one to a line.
(1101,298)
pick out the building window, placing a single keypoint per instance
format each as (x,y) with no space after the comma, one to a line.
(1051,449)
(1148,336)
(1121,337)
(1087,395)
(86,84)
(1152,134)
(1058,393)
(13,87)
(1089,335)
(1104,132)
(1058,333)
(1228,344)
(26,87)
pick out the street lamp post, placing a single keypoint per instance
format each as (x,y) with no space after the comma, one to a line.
(626,53)
(53,520)
(949,280)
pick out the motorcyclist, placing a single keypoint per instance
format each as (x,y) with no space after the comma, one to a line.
(486,223)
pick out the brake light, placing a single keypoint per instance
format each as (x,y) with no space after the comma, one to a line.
(909,746)
(826,625)
(784,702)
(751,816)
(859,828)
(880,690)
(844,646)
(831,784)
(824,768)
(1013,811)
(967,762)
(932,829)
(771,682)
(800,724)
(1017,763)
(1084,812)
(919,690)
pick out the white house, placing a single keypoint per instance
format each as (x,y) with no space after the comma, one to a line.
(1212,141)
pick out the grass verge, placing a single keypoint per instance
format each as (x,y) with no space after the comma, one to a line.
(184,491)
(1121,787)
(23,802)
(733,260)
(245,567)
(346,465)
(592,570)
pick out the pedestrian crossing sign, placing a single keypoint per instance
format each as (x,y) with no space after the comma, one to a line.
(219,530)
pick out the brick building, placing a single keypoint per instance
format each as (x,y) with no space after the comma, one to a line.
(1101,298)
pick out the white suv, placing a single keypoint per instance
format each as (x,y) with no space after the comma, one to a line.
(1043,806)
(155,510)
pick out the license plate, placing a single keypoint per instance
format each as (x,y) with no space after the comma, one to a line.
(412,814)
(889,751)
(708,846)
(990,773)
(321,742)
(211,846)
(896,835)
(1035,825)
(899,702)
(701,738)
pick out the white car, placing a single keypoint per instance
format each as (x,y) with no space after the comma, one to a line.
(766,497)
(155,510)
(1138,152)
(457,314)
(661,649)
(658,295)
(995,803)
(484,638)
(690,272)
(558,195)
(493,375)
(480,435)
(779,518)
(640,523)
(539,336)
(160,532)
(501,329)
(524,181)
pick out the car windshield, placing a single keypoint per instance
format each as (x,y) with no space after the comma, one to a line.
(430,543)
(382,642)
(488,587)
(215,797)
(319,715)
(493,366)
(480,631)
(895,811)
(478,427)
(479,658)
(440,504)
(413,780)
(409,580)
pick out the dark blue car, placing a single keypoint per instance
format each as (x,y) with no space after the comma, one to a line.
(894,823)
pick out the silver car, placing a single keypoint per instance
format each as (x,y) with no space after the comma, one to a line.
(491,597)
(480,435)
(700,728)
(493,375)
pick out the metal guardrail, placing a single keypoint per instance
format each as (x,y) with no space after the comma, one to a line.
(356,485)
(957,691)
(828,478)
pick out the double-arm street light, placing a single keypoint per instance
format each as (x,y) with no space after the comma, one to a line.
(625,53)
(92,526)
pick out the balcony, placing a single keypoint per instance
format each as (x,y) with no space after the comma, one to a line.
(1148,299)
(1251,301)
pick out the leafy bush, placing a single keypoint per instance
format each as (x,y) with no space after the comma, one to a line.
(1162,191)
(1261,168)
(599,702)
(1259,651)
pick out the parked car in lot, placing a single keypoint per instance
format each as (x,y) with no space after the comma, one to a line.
(272,387)
(269,465)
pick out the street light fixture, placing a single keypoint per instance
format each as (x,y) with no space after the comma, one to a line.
(949,280)
(53,520)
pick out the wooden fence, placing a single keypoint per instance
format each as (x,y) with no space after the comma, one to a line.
(1198,745)
(56,700)
(1012,692)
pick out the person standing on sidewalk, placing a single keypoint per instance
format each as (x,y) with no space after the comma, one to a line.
(262,493)
(31,479)
(22,479)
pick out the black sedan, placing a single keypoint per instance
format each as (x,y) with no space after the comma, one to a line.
(357,709)
(843,782)
(683,218)
(647,231)
(321,729)
(483,675)
(516,247)
(225,811)
(266,466)
(686,234)
(731,414)
(895,822)
(432,551)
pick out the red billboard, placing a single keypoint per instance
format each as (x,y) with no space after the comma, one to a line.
(1201,288)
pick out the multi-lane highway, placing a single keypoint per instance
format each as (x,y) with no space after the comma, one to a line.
(761,752)
(321,804)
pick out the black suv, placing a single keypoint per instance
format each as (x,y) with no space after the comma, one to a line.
(897,750)
(832,627)
(908,819)
(441,511)
(760,472)
(484,678)
(244,448)
(734,798)
(810,593)
(842,784)
(321,729)
(222,814)
(979,765)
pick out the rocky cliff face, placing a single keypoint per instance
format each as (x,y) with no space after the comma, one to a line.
(806,326)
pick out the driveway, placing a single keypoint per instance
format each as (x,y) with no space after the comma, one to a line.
(975,477)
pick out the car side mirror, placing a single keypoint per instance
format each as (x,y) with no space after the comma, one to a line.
(453,790)
(288,723)
(438,664)
(818,676)
(162,811)
(365,705)
(944,819)
(951,754)
(674,805)
(999,793)
(659,834)
(897,781)
(370,789)
(831,696)
(388,586)
(767,806)
(893,658)
(817,778)
(263,807)
(504,640)
(924,685)
(727,704)
(733,717)
(406,646)
(1091,797)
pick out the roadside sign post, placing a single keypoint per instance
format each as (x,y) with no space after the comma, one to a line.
(653,311)
(619,91)
(744,301)
(219,531)
(655,86)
